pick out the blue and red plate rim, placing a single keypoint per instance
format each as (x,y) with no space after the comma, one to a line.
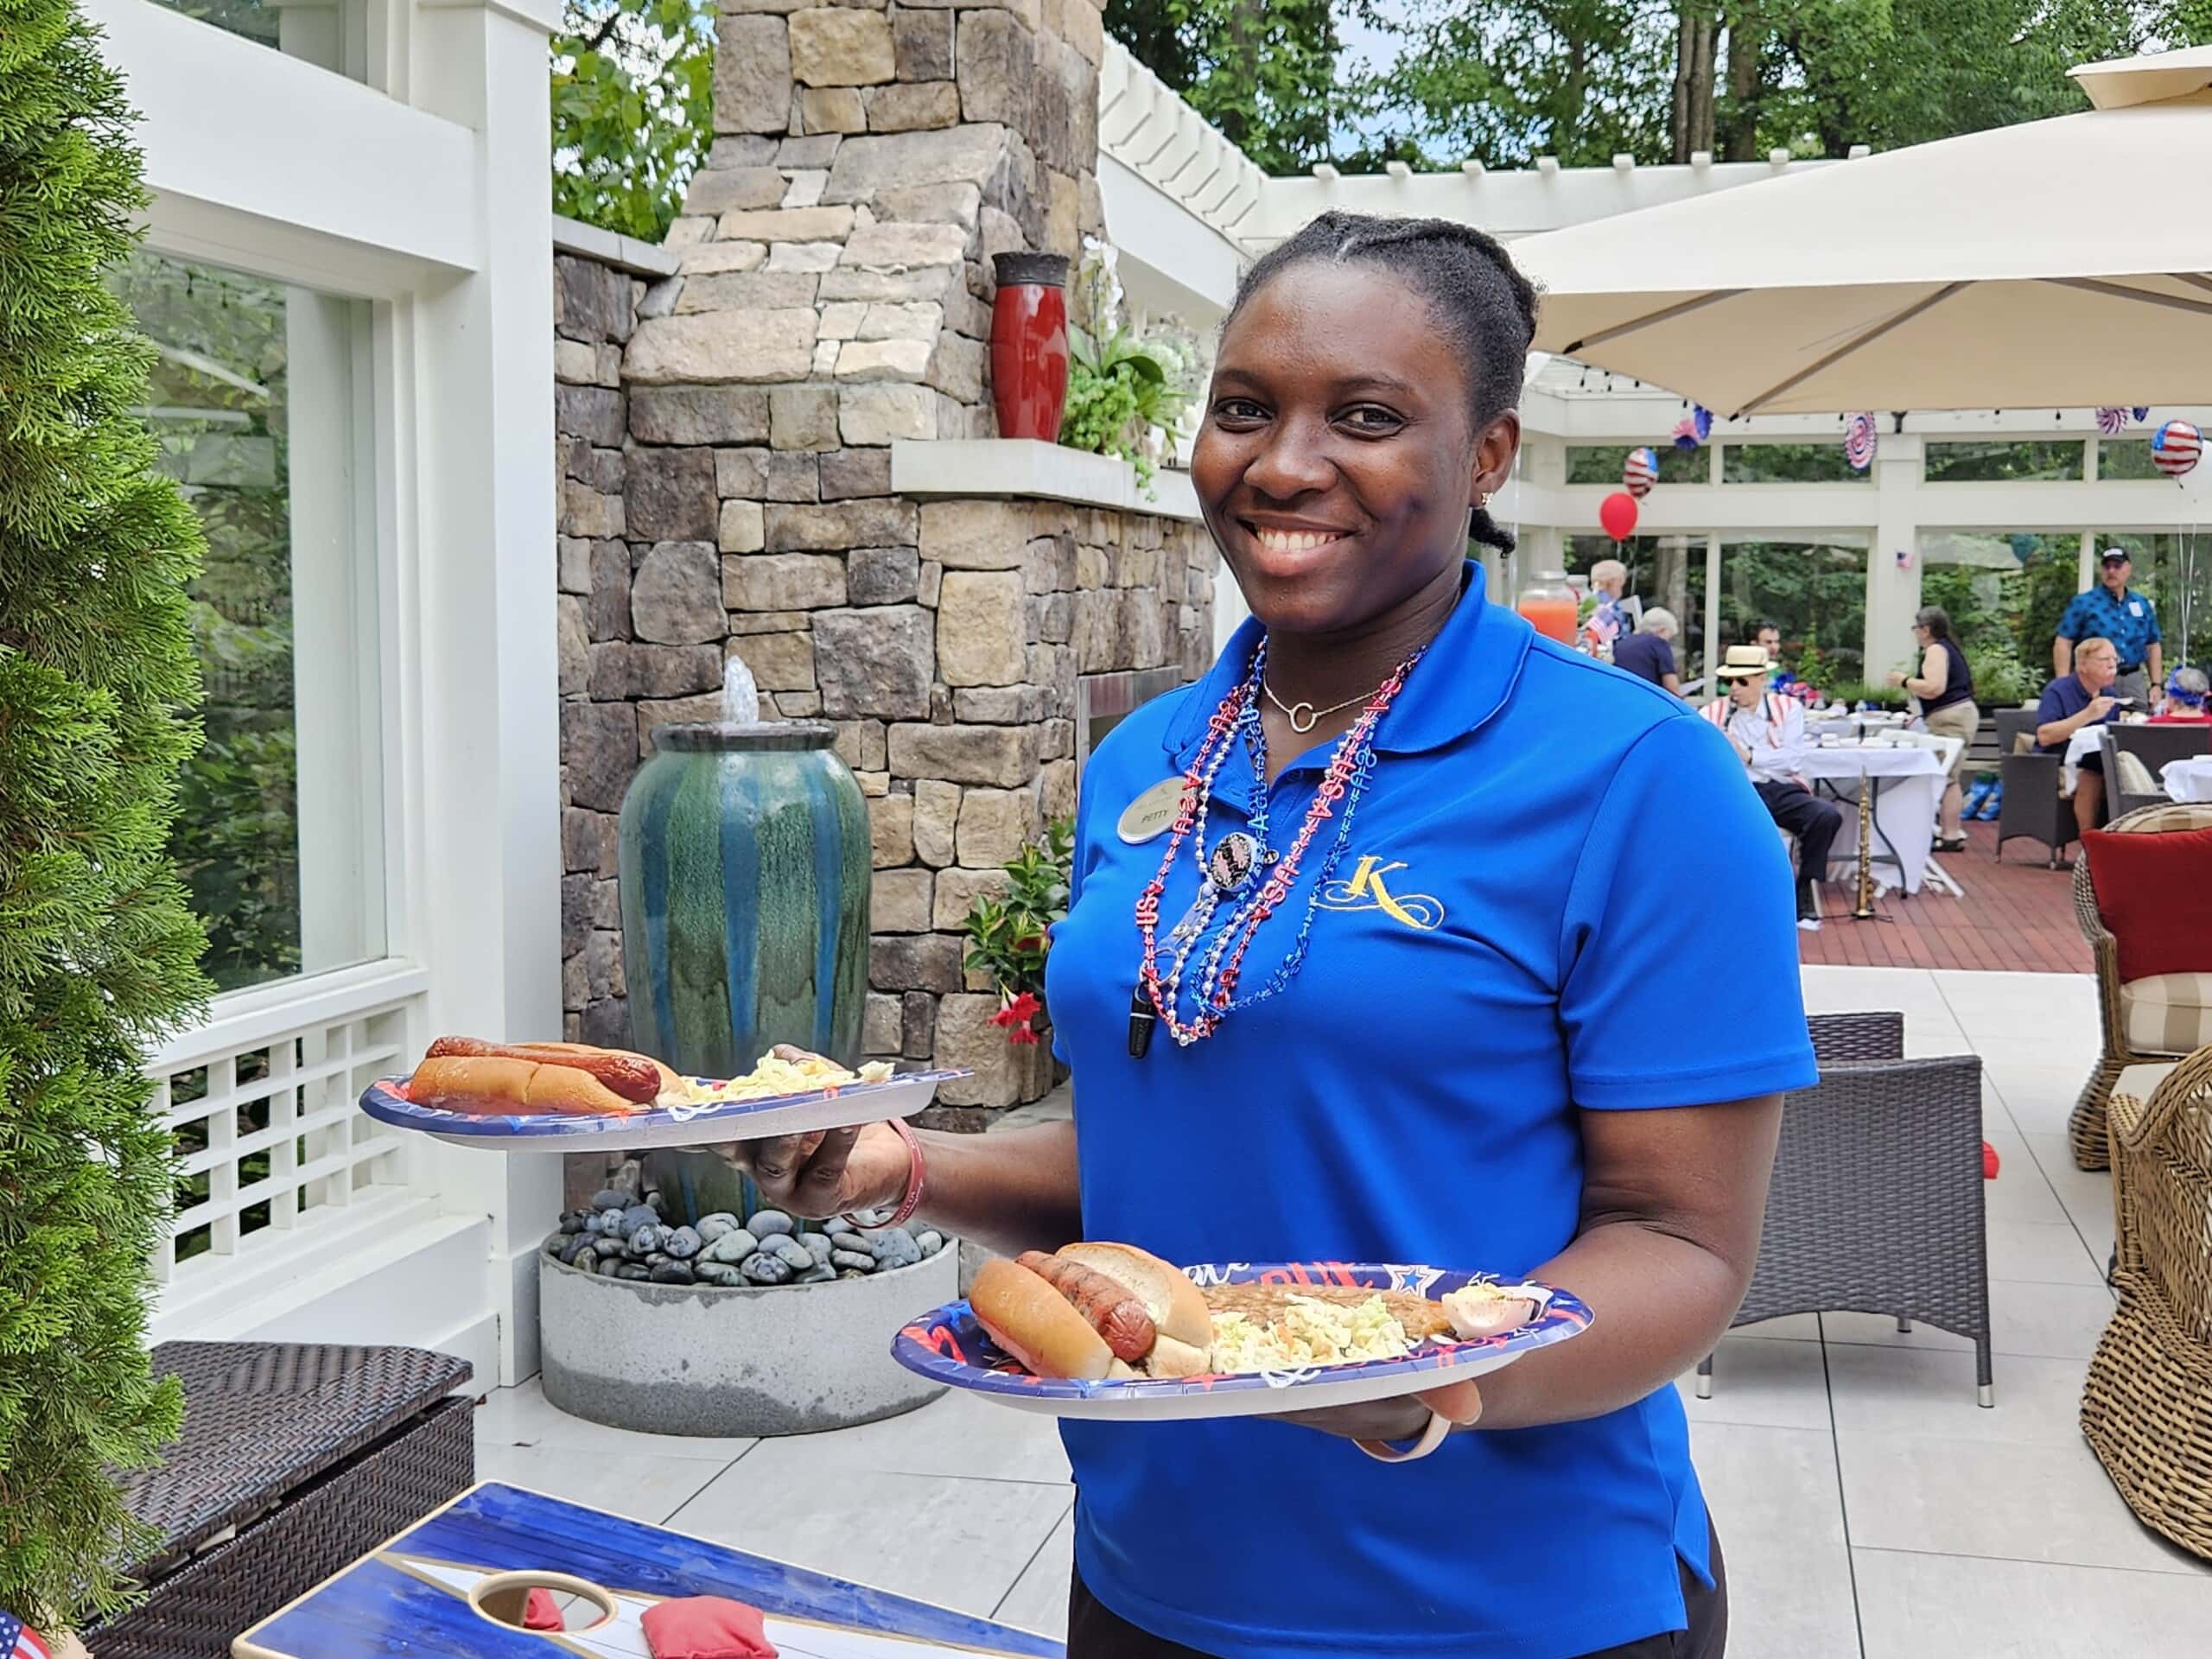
(381,1101)
(920,1345)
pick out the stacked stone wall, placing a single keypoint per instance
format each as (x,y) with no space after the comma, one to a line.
(727,437)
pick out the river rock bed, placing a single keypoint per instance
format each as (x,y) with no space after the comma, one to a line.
(621,1236)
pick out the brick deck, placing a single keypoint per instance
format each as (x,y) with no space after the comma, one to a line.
(2016,917)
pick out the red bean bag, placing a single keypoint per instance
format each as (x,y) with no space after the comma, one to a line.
(706,1627)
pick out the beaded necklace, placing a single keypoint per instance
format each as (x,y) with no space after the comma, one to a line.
(1158,996)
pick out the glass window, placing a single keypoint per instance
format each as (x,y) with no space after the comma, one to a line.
(2126,458)
(1814,593)
(2174,571)
(1788,463)
(2004,594)
(1601,463)
(258,401)
(1975,460)
(330,34)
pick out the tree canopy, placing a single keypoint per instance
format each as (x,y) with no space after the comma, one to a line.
(1505,81)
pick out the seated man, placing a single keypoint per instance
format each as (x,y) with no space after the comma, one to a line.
(1768,731)
(1649,653)
(2071,702)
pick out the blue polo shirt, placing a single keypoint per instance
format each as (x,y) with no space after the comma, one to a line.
(2131,622)
(2062,699)
(1557,877)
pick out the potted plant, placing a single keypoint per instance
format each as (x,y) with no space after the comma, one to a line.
(1126,394)
(1009,938)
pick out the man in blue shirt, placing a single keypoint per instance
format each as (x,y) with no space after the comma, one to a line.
(2071,702)
(2110,611)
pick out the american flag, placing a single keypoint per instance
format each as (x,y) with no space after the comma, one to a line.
(18,1643)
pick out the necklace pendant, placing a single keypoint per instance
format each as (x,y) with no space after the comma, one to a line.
(1303,717)
(1142,1019)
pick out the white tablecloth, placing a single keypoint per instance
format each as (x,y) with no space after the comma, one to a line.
(1912,781)
(2088,740)
(2190,779)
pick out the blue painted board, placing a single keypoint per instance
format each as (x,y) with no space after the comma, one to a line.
(411,1597)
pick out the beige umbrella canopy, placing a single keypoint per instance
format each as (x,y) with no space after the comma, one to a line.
(2066,261)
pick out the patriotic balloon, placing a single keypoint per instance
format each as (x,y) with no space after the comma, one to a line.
(2112,421)
(1693,428)
(2174,447)
(1616,513)
(1860,442)
(2142,414)
(1639,473)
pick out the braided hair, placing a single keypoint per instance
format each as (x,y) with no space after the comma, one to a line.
(1477,295)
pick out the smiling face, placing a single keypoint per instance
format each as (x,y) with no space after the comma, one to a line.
(1339,453)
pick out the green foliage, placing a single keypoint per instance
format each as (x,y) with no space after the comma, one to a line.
(1265,74)
(1007,937)
(97,949)
(1125,394)
(1788,463)
(1986,459)
(632,109)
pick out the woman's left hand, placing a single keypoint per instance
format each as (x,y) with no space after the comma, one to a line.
(1897,676)
(1460,1404)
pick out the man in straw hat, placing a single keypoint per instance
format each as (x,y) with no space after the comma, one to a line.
(1768,733)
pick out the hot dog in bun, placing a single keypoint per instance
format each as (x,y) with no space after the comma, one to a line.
(1094,1310)
(462,1074)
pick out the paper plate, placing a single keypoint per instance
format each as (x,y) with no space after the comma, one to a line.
(840,1107)
(948,1346)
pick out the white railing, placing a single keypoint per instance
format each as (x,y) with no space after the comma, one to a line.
(263,1101)
(1144,125)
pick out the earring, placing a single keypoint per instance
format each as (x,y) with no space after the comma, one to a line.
(1483,500)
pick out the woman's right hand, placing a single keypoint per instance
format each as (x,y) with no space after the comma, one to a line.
(831,1173)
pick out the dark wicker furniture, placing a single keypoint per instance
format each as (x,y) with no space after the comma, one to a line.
(2148,1022)
(2033,806)
(2146,1409)
(295,1459)
(1876,1204)
(2153,747)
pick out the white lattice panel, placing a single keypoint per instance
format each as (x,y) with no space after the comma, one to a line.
(263,1107)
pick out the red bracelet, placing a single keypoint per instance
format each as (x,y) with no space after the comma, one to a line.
(915,1175)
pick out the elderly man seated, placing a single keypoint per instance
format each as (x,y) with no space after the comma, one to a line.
(2071,702)
(1649,653)
(1768,732)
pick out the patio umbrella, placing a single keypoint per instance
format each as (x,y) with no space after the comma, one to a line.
(2055,262)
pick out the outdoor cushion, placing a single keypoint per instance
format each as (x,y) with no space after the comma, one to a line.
(706,1627)
(2168,1013)
(2135,778)
(2155,894)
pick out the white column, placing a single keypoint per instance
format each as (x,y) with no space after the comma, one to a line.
(1712,599)
(1894,594)
(486,677)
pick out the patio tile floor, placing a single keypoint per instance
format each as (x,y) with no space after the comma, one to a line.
(1867,1507)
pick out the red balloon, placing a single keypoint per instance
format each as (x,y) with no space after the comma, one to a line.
(1616,513)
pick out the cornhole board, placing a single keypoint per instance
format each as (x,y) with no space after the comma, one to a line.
(413,1596)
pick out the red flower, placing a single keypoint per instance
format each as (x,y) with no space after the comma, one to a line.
(1022,1036)
(1023,1006)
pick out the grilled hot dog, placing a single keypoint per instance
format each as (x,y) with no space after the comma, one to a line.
(1113,1312)
(633,1077)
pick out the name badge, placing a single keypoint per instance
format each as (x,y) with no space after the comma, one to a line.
(2135,608)
(1152,812)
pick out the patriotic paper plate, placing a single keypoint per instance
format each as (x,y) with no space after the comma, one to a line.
(842,1106)
(949,1346)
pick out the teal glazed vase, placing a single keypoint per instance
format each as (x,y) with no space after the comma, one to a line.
(746,868)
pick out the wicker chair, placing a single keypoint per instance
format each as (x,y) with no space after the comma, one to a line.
(2147,1023)
(2146,1408)
(1876,1204)
(2149,748)
(2032,807)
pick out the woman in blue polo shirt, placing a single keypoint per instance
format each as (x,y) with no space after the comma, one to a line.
(1479,1021)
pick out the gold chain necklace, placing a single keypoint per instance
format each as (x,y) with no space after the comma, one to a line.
(1304,716)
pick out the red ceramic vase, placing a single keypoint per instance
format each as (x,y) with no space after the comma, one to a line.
(1029,344)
